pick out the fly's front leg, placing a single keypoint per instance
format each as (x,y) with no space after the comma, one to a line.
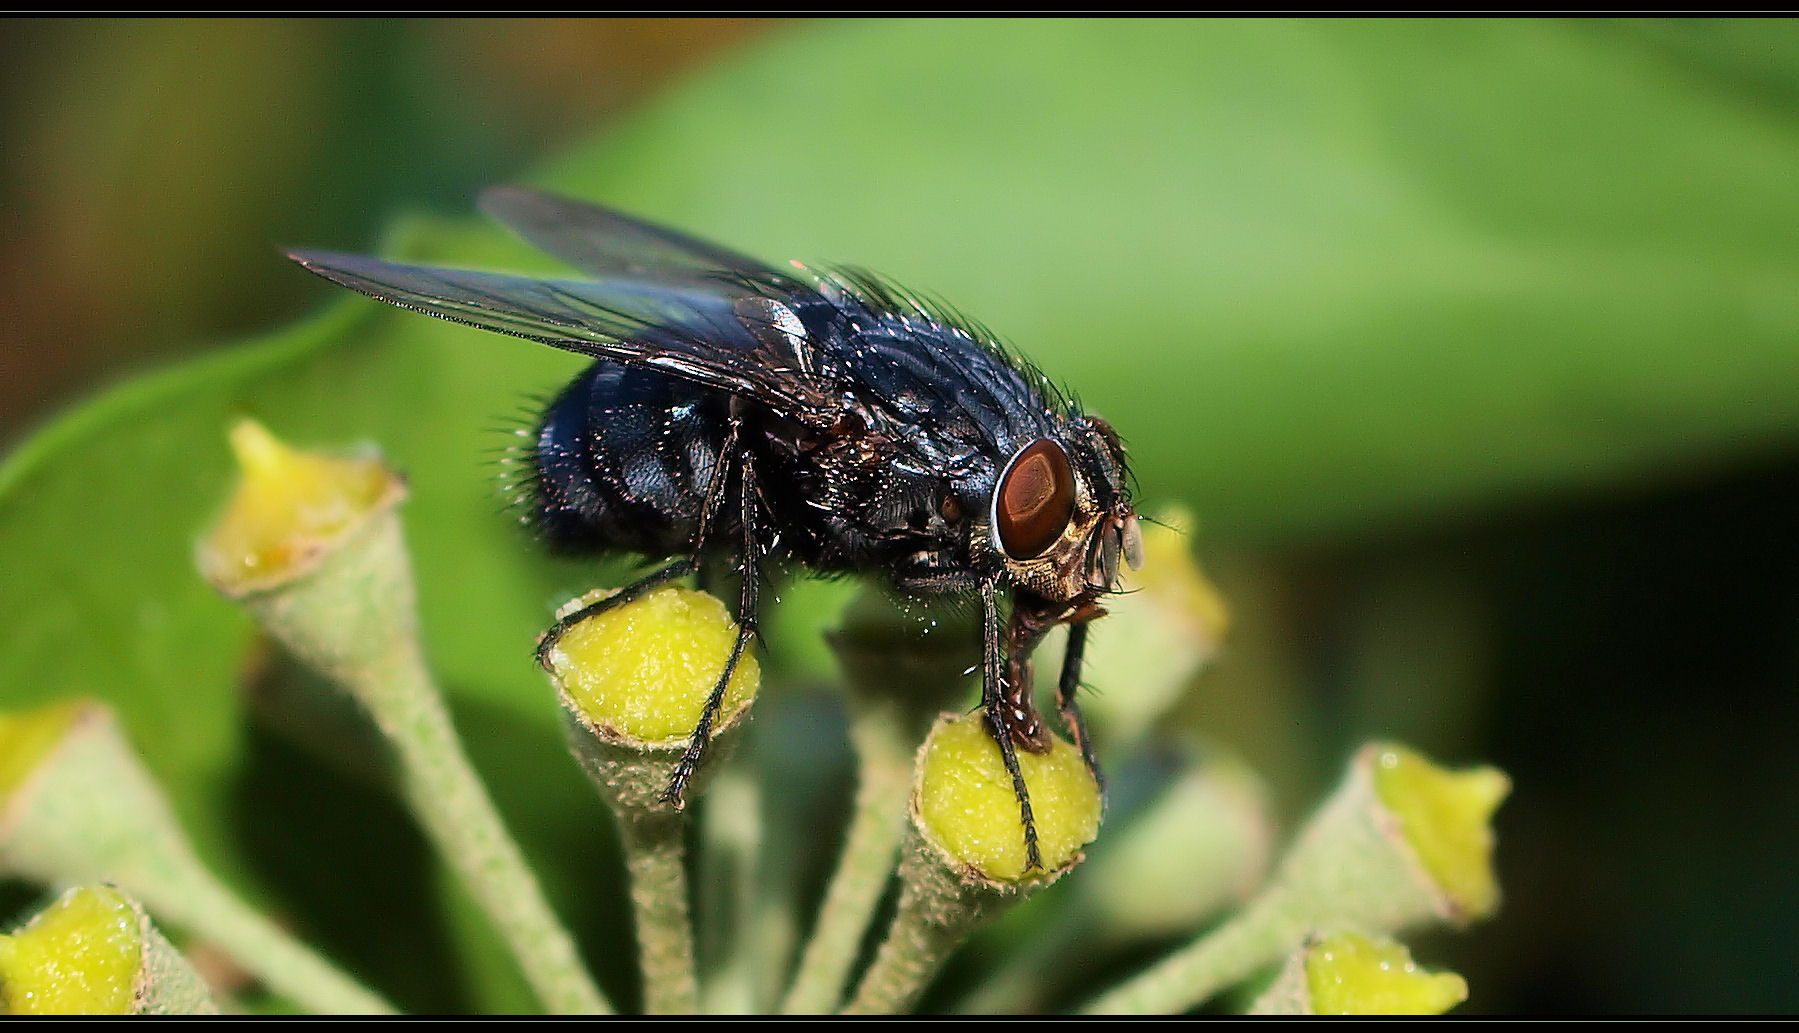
(1071,710)
(1006,718)
(1030,622)
(747,608)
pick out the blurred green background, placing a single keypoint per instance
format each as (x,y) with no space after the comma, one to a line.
(1473,345)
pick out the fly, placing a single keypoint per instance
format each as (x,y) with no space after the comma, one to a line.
(734,410)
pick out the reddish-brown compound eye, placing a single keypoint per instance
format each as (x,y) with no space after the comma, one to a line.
(1035,499)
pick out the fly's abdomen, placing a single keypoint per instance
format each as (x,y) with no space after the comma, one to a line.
(624,460)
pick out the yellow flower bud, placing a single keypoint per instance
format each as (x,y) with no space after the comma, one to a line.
(26,738)
(79,957)
(1351,974)
(1446,818)
(644,670)
(966,806)
(290,508)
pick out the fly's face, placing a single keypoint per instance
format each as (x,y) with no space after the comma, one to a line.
(1061,520)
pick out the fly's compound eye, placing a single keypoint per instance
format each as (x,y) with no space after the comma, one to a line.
(1034,501)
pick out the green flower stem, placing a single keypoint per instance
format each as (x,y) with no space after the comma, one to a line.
(453,806)
(1356,866)
(91,813)
(941,903)
(167,983)
(902,665)
(1033,964)
(937,911)
(1263,932)
(656,857)
(744,931)
(963,863)
(344,602)
(632,681)
(632,778)
(884,742)
(283,964)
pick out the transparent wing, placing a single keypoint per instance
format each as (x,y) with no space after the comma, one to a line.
(606,244)
(681,330)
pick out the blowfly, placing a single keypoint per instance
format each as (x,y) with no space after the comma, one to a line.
(739,413)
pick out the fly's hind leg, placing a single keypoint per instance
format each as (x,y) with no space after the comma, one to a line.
(636,590)
(729,455)
(747,608)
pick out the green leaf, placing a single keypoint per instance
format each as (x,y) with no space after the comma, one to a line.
(1321,276)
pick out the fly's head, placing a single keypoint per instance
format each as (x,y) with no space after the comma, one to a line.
(1060,519)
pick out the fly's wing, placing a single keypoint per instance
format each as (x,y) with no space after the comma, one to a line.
(685,331)
(606,244)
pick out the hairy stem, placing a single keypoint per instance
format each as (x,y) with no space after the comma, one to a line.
(655,856)
(884,752)
(453,806)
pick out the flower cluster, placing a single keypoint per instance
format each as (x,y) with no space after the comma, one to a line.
(312,546)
